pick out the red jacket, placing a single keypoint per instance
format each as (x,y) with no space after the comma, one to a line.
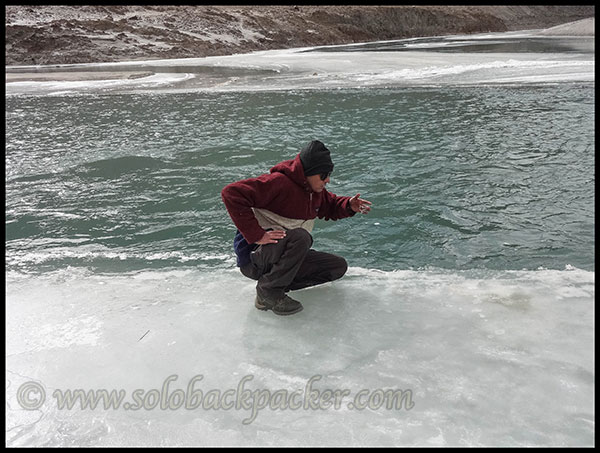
(283,191)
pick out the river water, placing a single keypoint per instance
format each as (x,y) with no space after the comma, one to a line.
(471,281)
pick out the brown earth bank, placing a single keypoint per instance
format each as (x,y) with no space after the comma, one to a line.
(42,35)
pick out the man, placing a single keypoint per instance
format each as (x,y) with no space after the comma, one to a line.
(274,215)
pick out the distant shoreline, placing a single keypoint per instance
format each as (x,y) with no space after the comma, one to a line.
(73,76)
(108,71)
(58,35)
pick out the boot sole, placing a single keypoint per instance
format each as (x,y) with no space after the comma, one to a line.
(262,307)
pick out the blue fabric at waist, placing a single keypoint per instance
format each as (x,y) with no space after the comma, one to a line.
(242,249)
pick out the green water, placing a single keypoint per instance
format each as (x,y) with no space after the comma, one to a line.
(460,178)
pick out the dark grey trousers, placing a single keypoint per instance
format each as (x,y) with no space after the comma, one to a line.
(291,264)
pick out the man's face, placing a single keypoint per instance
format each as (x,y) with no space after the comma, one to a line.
(316,183)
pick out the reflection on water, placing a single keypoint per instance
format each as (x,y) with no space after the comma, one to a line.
(517,44)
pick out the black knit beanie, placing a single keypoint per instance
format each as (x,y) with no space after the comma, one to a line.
(315,159)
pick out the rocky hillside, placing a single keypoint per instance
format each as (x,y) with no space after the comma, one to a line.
(84,34)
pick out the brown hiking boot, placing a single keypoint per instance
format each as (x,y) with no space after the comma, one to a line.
(284,306)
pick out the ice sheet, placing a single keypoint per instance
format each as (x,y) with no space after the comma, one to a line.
(489,358)
(423,62)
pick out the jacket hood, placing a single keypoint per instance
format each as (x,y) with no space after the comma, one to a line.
(292,169)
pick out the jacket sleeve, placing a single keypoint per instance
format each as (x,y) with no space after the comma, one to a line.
(241,196)
(334,207)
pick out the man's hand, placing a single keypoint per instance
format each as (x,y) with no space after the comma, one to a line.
(271,237)
(358,205)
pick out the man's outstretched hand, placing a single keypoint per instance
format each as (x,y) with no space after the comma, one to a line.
(359,205)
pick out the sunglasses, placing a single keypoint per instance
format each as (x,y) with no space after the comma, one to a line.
(324,176)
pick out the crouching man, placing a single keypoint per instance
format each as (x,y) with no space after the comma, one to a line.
(274,214)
